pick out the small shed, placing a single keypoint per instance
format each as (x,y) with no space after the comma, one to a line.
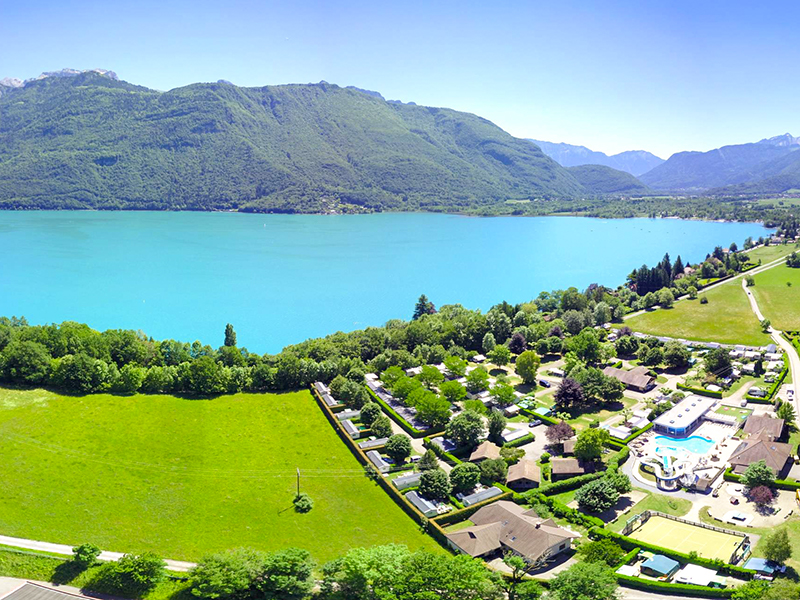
(660,566)
(509,435)
(348,414)
(486,494)
(423,505)
(376,459)
(406,481)
(512,410)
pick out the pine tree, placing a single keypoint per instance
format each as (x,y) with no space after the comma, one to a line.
(230,335)
(423,307)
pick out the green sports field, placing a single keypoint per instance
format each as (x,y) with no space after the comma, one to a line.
(779,302)
(186,477)
(727,318)
(687,538)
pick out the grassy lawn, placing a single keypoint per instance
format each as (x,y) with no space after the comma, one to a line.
(727,318)
(777,301)
(769,253)
(581,421)
(739,384)
(186,477)
(665,504)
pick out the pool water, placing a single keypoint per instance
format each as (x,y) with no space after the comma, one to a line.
(695,443)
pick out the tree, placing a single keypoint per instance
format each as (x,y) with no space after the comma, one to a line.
(362,573)
(500,355)
(465,429)
(489,342)
(620,481)
(692,291)
(597,496)
(569,393)
(785,411)
(497,424)
(758,474)
(527,366)
(750,590)
(589,445)
(761,495)
(369,412)
(392,375)
(782,589)
(206,376)
(453,391)
(423,307)
(718,362)
(435,484)
(765,325)
(455,365)
(477,380)
(584,581)
(627,346)
(25,362)
(398,447)
(503,393)
(518,344)
(559,432)
(666,298)
(285,575)
(676,355)
(476,406)
(430,376)
(130,379)
(381,427)
(586,346)
(435,575)
(493,470)
(428,461)
(85,555)
(134,575)
(603,551)
(230,335)
(433,410)
(465,477)
(777,546)
(750,281)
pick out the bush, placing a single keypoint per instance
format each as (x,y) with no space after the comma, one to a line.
(597,496)
(703,299)
(545,458)
(132,575)
(303,503)
(85,555)
(605,551)
(493,470)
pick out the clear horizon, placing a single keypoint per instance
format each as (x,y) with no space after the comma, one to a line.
(663,77)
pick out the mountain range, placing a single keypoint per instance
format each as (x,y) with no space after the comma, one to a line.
(86,139)
(771,165)
(635,162)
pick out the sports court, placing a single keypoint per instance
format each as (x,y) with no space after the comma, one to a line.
(687,538)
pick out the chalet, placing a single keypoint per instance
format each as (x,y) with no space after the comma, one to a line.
(406,481)
(566,468)
(524,475)
(637,379)
(504,527)
(486,450)
(776,455)
(764,426)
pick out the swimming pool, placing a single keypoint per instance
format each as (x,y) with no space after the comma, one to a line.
(695,443)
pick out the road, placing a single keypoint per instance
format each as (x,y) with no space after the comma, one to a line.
(172,565)
(794,360)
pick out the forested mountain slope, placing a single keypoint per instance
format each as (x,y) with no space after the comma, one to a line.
(91,141)
(634,162)
(605,180)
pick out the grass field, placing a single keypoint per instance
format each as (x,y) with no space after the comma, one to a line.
(769,253)
(727,318)
(779,303)
(688,538)
(665,504)
(186,477)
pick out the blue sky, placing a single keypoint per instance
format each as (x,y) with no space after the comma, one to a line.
(661,76)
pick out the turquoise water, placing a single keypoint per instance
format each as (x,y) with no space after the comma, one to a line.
(694,443)
(283,278)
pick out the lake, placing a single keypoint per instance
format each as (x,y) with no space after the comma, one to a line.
(283,278)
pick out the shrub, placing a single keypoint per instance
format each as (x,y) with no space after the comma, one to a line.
(545,458)
(703,299)
(303,502)
(605,551)
(85,555)
(132,575)
(597,496)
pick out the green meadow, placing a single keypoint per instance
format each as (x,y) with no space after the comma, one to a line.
(184,478)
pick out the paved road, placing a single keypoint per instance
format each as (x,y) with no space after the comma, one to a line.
(794,360)
(172,565)
(631,594)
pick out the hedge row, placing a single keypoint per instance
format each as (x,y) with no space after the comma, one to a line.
(526,439)
(563,511)
(629,557)
(566,485)
(782,484)
(680,589)
(699,391)
(637,433)
(629,543)
(404,425)
(465,513)
(435,530)
(529,413)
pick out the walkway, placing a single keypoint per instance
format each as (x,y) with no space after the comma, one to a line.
(794,360)
(172,565)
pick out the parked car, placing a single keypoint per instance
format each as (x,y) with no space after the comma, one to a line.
(535,422)
(545,383)
(715,493)
(734,500)
(743,402)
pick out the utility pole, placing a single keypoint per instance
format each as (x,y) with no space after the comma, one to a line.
(298,481)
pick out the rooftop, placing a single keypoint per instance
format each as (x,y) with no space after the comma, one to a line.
(687,411)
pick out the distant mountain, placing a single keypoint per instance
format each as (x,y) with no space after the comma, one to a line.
(605,180)
(88,140)
(723,167)
(634,162)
